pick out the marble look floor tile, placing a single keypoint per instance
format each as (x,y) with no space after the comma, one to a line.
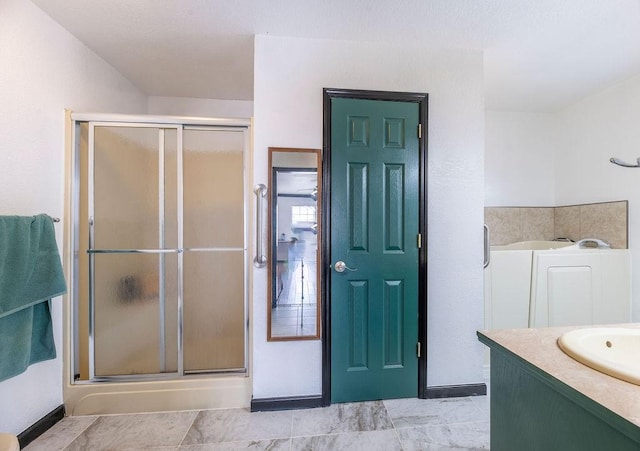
(136,431)
(61,434)
(151,448)
(482,402)
(349,441)
(469,436)
(351,417)
(229,425)
(281,444)
(418,412)
(437,424)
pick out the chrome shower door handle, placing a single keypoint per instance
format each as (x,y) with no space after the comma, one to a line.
(341,267)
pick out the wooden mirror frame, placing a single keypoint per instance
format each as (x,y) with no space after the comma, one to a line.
(273,241)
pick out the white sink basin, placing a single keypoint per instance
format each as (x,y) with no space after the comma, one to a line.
(613,351)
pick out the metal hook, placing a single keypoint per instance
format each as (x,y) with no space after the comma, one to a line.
(619,162)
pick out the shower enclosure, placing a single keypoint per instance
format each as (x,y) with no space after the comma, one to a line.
(160,248)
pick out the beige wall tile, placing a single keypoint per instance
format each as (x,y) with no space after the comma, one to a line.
(537,224)
(567,222)
(505,224)
(606,221)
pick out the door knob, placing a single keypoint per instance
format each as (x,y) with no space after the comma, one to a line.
(341,267)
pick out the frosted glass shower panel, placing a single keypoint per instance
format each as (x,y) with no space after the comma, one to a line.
(214,305)
(126,187)
(214,251)
(213,189)
(132,321)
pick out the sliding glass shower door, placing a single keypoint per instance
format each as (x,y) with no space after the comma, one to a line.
(165,236)
(214,251)
(133,250)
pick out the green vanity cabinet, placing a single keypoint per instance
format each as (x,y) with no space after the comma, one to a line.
(533,410)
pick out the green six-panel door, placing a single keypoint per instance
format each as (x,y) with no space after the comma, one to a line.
(374,229)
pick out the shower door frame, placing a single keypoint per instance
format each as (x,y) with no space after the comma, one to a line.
(162,123)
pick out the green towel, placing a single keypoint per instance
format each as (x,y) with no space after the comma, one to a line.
(30,274)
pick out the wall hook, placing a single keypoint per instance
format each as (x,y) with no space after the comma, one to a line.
(619,162)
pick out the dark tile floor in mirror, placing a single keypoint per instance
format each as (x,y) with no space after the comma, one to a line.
(399,424)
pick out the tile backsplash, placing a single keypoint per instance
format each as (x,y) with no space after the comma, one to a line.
(607,221)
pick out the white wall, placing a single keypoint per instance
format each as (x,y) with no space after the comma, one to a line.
(518,159)
(187,106)
(289,77)
(44,70)
(601,126)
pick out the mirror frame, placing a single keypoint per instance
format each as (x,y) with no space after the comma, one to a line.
(273,241)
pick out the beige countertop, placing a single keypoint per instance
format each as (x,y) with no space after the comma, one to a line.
(539,347)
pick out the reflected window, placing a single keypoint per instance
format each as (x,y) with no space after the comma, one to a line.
(303,213)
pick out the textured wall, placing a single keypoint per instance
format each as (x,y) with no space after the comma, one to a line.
(518,164)
(601,126)
(44,70)
(289,77)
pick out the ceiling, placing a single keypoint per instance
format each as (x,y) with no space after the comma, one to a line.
(540,55)
(298,183)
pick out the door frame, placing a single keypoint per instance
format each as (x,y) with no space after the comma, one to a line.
(422,100)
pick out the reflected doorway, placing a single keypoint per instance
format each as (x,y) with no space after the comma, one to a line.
(294,264)
(294,289)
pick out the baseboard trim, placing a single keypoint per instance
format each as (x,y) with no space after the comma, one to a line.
(456,391)
(288,403)
(41,426)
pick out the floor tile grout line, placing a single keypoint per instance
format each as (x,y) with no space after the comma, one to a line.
(226,442)
(439,425)
(388,414)
(189,428)
(395,429)
(476,404)
(96,418)
(341,433)
(235,440)
(291,431)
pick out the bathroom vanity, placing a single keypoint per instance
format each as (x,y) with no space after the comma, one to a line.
(542,399)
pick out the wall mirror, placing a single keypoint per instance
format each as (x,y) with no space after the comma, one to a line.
(294,244)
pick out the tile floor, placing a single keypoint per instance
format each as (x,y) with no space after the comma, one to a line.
(293,320)
(399,424)
(295,313)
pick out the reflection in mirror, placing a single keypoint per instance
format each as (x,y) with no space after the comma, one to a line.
(294,218)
